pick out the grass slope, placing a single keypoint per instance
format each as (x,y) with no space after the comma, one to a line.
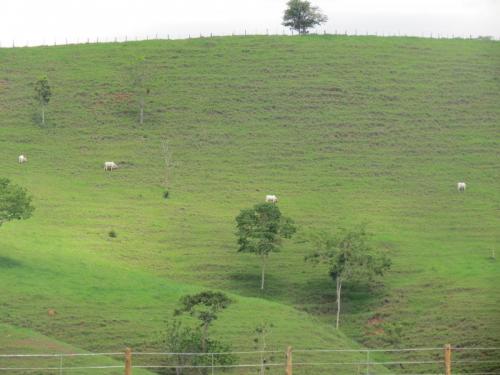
(343,129)
(24,341)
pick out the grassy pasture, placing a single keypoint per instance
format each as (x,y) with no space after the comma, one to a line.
(342,129)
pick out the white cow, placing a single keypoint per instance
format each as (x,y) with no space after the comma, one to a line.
(461,186)
(110,165)
(271,199)
(22,159)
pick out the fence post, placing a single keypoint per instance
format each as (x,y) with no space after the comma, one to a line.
(128,361)
(367,362)
(289,361)
(447,359)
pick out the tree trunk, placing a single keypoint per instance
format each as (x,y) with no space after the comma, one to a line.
(339,289)
(263,275)
(43,115)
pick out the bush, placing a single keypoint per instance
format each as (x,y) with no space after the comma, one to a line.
(112,234)
(180,339)
(166,194)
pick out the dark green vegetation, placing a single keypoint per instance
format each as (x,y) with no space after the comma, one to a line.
(342,129)
(43,94)
(15,203)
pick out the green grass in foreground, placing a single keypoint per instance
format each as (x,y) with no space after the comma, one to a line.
(342,129)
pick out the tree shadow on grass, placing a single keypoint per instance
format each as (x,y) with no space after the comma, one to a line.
(316,296)
(6,262)
(248,284)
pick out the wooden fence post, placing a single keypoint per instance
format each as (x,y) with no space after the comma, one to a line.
(447,359)
(289,361)
(128,361)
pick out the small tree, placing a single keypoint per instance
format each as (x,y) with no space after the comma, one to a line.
(261,332)
(301,16)
(261,230)
(43,94)
(349,257)
(204,306)
(15,203)
(141,88)
(179,339)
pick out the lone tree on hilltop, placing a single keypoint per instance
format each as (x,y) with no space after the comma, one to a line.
(349,257)
(300,15)
(261,230)
(15,203)
(43,94)
(204,306)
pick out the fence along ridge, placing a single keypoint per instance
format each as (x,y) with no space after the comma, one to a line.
(284,32)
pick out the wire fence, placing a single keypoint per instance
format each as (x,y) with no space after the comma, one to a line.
(267,32)
(418,361)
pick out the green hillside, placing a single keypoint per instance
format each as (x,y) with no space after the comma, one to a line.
(343,129)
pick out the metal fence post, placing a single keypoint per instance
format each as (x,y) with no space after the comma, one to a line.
(60,364)
(367,362)
(447,359)
(212,363)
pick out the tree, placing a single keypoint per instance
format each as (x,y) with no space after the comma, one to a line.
(204,306)
(179,339)
(261,230)
(140,85)
(349,257)
(15,203)
(301,16)
(43,94)
(262,331)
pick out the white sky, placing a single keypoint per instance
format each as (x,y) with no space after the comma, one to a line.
(32,22)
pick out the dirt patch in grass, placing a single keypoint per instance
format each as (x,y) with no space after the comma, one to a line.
(121,97)
(375,321)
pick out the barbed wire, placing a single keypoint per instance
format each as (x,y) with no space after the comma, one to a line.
(59,355)
(246,352)
(364,350)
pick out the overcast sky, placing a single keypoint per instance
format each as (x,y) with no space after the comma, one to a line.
(45,21)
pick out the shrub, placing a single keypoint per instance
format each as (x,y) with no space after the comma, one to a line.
(112,234)
(166,194)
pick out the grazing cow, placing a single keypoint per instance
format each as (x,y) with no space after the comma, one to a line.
(110,165)
(271,199)
(22,159)
(461,186)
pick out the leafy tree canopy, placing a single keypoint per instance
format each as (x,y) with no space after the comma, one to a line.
(43,91)
(261,228)
(15,203)
(204,305)
(301,15)
(350,255)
